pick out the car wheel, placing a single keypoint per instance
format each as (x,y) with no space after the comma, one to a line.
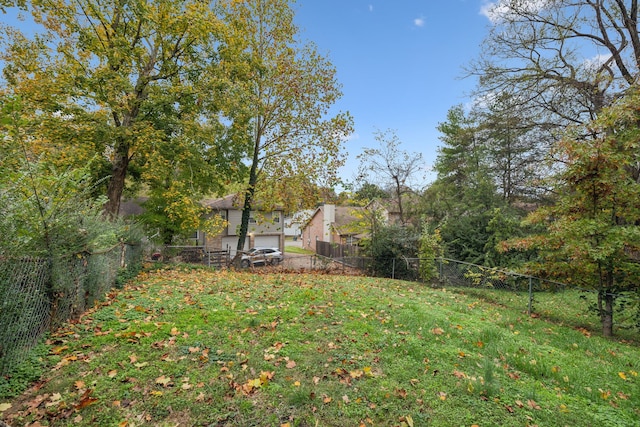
(245,263)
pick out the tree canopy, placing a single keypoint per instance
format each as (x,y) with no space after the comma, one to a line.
(131,85)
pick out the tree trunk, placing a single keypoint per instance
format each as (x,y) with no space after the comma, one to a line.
(605,305)
(116,183)
(248,201)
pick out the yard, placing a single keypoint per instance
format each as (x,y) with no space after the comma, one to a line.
(190,347)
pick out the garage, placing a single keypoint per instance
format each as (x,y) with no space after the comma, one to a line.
(231,243)
(267,241)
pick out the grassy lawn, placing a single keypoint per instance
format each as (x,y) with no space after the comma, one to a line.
(297,250)
(204,348)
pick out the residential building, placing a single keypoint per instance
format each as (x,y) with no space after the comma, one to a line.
(331,223)
(266,229)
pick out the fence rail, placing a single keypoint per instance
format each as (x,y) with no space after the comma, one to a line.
(37,295)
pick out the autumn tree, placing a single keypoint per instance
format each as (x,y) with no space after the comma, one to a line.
(121,82)
(293,142)
(562,61)
(392,168)
(591,237)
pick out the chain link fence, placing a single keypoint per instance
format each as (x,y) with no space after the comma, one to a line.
(38,295)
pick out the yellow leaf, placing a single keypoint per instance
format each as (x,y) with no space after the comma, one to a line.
(255,383)
(356,374)
(164,381)
(409,420)
(5,406)
(156,393)
(622,375)
(442,395)
(59,349)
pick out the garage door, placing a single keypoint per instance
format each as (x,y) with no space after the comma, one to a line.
(267,241)
(231,243)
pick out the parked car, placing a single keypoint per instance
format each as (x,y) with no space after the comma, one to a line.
(262,256)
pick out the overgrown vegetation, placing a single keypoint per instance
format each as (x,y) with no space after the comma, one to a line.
(198,347)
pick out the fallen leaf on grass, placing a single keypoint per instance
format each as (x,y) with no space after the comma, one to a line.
(408,420)
(163,380)
(5,406)
(59,349)
(86,400)
(532,404)
(459,374)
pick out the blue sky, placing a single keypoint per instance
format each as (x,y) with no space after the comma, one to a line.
(399,62)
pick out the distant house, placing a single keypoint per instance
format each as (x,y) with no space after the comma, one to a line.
(331,223)
(388,210)
(293,223)
(266,229)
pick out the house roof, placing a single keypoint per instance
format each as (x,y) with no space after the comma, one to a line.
(232,201)
(344,215)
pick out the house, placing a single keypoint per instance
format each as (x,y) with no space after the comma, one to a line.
(293,223)
(387,209)
(333,224)
(266,229)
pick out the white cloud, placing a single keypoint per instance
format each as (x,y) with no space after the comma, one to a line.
(500,10)
(370,8)
(597,61)
(418,22)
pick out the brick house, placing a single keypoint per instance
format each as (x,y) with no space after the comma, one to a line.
(330,223)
